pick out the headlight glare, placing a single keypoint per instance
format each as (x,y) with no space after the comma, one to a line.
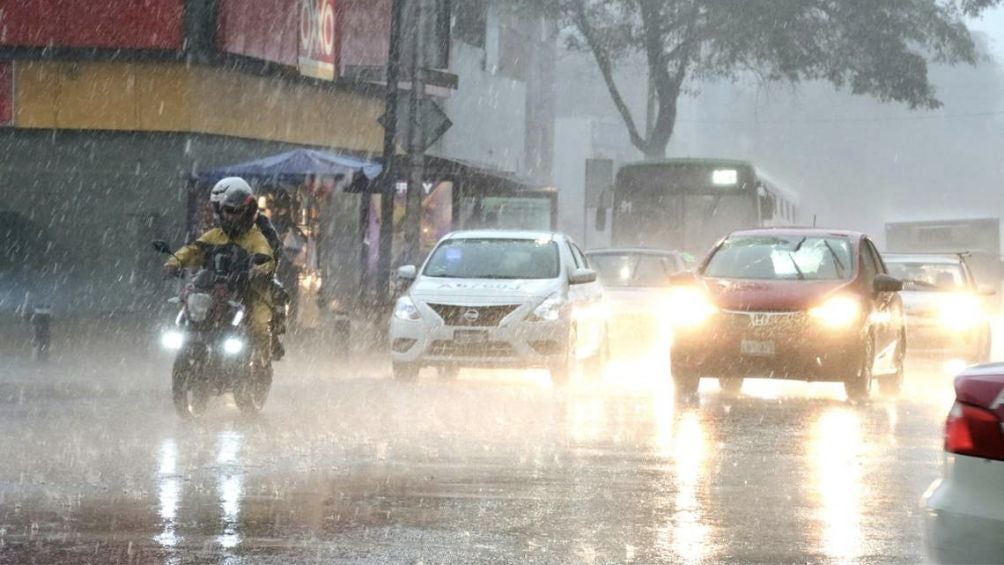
(405,309)
(172,339)
(960,311)
(689,307)
(837,312)
(233,345)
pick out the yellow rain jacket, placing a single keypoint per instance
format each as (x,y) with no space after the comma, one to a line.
(259,300)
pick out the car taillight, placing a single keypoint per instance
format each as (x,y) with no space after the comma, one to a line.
(975,432)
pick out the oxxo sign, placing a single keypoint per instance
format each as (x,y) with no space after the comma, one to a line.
(317,38)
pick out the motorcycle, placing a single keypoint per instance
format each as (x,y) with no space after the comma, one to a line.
(211,336)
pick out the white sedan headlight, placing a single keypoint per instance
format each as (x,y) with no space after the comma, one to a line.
(959,311)
(549,310)
(837,312)
(405,309)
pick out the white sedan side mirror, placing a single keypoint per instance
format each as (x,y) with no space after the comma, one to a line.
(582,276)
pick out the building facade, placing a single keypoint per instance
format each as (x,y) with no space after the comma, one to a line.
(108,110)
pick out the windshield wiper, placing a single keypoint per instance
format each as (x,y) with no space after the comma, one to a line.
(791,255)
(836,259)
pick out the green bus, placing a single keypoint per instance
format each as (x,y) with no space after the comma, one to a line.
(689,204)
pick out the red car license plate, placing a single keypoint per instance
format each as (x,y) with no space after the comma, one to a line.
(757,348)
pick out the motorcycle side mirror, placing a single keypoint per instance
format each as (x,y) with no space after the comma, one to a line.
(161,246)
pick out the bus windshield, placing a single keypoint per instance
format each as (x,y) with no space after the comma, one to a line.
(683,205)
(782,257)
(693,222)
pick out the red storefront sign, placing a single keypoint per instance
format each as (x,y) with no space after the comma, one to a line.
(6,93)
(319,38)
(264,29)
(366,38)
(126,24)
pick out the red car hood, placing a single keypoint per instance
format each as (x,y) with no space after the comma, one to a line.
(769,295)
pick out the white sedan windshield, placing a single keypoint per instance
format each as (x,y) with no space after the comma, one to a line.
(494,259)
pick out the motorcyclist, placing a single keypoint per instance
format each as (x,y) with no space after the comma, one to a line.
(238,209)
(280,297)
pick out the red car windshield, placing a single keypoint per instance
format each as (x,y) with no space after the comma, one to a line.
(782,258)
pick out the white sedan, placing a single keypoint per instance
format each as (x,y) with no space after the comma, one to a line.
(500,299)
(965,508)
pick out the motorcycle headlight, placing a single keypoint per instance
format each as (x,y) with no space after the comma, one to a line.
(405,309)
(960,311)
(689,307)
(549,310)
(837,312)
(172,339)
(233,345)
(198,306)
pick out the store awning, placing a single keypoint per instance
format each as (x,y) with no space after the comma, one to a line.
(295,166)
(472,177)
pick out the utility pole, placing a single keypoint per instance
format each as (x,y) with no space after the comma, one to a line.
(416,137)
(388,186)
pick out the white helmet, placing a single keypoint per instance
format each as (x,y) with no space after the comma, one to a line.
(220,188)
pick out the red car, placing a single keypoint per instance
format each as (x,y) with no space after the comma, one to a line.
(804,304)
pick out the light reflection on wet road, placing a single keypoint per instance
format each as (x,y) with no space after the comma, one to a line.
(494,467)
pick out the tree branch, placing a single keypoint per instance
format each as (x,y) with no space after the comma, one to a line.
(606,69)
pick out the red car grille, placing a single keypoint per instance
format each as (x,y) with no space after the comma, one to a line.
(768,322)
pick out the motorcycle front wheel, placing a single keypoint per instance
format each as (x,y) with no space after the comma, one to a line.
(189,389)
(252,391)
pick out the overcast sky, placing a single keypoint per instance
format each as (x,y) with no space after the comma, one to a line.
(992,24)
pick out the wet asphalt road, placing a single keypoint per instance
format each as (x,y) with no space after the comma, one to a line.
(345,465)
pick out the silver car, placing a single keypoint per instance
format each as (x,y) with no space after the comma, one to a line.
(945,309)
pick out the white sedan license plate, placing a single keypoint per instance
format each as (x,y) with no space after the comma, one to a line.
(757,348)
(470,337)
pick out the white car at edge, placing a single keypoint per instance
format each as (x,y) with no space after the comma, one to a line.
(500,299)
(964,518)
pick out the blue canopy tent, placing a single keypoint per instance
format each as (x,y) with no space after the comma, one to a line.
(290,168)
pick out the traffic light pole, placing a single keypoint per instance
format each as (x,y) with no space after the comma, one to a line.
(388,182)
(416,143)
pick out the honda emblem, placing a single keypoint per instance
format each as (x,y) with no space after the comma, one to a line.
(759,320)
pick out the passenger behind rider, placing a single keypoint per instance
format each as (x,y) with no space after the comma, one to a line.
(238,211)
